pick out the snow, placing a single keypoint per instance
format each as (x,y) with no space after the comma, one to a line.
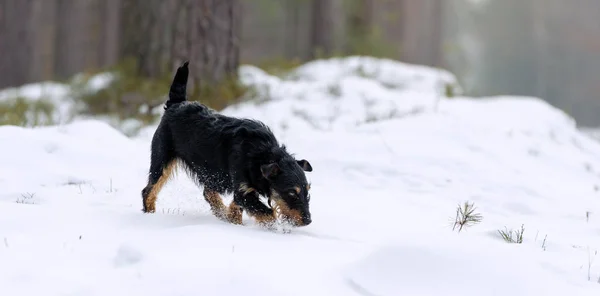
(423,269)
(384,194)
(342,93)
(594,133)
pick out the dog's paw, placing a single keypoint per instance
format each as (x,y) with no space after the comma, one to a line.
(277,226)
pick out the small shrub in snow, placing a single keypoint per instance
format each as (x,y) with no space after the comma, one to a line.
(466,216)
(279,66)
(449,90)
(173,211)
(20,111)
(512,236)
(126,94)
(26,198)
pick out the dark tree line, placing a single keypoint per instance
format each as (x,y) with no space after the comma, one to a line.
(545,48)
(55,39)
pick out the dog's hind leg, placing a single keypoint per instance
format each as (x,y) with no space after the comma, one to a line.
(162,166)
(158,178)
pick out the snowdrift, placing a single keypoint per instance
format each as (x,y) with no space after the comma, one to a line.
(342,93)
(416,268)
(385,187)
(82,152)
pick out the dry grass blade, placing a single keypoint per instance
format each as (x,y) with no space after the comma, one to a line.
(512,236)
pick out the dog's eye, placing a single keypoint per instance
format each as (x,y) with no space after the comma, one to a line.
(292,193)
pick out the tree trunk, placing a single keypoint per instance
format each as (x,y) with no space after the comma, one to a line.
(214,40)
(140,38)
(360,25)
(322,28)
(43,19)
(437,33)
(75,45)
(109,32)
(160,35)
(421,38)
(16,42)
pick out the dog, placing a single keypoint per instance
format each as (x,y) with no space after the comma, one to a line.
(227,155)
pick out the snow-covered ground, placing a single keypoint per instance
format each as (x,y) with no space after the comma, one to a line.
(594,133)
(385,187)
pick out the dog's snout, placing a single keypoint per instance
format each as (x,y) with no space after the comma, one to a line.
(306,220)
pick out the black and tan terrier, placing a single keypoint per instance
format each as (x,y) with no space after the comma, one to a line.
(227,155)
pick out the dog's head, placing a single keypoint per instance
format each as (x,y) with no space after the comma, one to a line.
(289,196)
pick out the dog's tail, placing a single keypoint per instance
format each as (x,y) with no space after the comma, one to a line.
(178,89)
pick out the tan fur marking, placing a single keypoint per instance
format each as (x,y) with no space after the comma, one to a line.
(281,210)
(150,201)
(297,189)
(244,188)
(307,186)
(264,220)
(216,203)
(234,214)
(285,213)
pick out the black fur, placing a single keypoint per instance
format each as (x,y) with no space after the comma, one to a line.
(225,154)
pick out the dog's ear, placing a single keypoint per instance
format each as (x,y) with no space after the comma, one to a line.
(269,170)
(305,165)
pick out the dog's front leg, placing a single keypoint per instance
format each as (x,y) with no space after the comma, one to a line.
(250,202)
(234,213)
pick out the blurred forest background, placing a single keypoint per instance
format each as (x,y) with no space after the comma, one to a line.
(544,48)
